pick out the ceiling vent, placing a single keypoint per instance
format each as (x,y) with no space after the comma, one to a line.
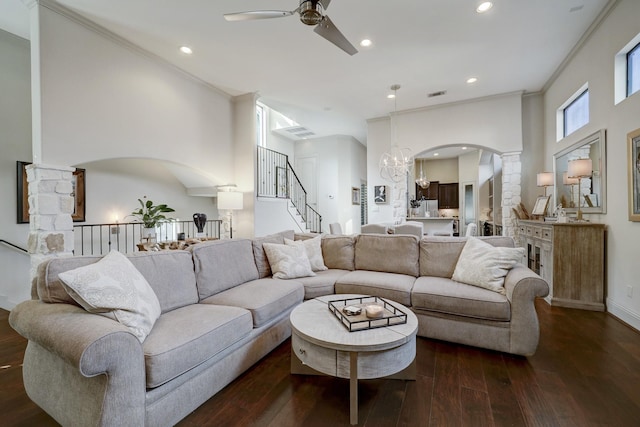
(439,93)
(295,132)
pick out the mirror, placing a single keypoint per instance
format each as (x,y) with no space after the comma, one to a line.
(590,192)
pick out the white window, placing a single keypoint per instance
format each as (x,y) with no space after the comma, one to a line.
(633,70)
(574,113)
(627,70)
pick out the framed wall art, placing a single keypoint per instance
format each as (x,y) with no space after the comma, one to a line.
(355,196)
(633,171)
(78,192)
(380,193)
(540,208)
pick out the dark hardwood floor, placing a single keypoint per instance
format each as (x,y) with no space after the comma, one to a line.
(586,372)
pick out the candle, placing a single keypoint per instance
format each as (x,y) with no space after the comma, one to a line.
(374,311)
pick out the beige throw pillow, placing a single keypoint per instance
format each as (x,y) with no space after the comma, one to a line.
(484,265)
(114,288)
(313,247)
(288,262)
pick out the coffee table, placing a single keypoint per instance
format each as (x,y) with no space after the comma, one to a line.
(319,341)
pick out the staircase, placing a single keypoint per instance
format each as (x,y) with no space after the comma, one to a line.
(277,179)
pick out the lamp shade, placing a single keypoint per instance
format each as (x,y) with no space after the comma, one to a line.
(568,181)
(580,168)
(230,200)
(544,179)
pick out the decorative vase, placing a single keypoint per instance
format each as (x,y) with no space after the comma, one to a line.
(200,220)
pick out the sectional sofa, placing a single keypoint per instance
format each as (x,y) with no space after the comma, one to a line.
(220,311)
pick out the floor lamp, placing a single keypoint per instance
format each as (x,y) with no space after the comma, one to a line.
(580,168)
(230,201)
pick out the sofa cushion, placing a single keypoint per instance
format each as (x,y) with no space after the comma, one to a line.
(184,338)
(388,253)
(323,283)
(261,260)
(266,298)
(114,288)
(223,264)
(483,265)
(396,287)
(288,261)
(447,296)
(169,273)
(439,255)
(313,247)
(339,252)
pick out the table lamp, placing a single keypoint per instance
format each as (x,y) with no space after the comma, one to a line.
(580,168)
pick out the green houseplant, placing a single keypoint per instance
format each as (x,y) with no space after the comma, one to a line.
(151,215)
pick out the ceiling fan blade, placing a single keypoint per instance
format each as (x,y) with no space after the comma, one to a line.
(330,32)
(257,14)
(325,4)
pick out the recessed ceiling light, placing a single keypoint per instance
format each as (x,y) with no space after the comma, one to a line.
(436,154)
(464,148)
(484,6)
(186,50)
(366,43)
(471,80)
(391,96)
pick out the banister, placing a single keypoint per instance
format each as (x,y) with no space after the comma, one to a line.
(14,246)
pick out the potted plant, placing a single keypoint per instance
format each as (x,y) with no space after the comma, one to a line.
(151,215)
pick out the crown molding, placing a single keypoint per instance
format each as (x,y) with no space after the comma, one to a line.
(114,38)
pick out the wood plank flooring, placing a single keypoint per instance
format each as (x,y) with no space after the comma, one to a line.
(586,372)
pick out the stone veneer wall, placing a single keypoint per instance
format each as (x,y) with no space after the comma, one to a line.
(50,208)
(511,191)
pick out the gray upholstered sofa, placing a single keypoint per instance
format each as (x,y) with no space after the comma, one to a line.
(222,311)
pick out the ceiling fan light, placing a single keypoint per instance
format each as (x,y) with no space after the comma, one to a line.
(311,12)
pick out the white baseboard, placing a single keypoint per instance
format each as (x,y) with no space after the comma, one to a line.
(628,316)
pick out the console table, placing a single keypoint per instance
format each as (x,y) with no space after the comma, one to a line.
(570,257)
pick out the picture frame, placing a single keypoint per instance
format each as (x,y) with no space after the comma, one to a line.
(355,196)
(78,192)
(633,172)
(380,193)
(540,207)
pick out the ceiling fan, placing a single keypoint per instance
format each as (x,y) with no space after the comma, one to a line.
(311,13)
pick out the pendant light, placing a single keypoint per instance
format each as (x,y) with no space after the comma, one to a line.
(422,180)
(396,163)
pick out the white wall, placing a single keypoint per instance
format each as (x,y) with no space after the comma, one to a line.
(15,145)
(340,166)
(593,63)
(493,122)
(103,99)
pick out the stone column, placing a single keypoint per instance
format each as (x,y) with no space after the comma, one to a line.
(50,209)
(511,191)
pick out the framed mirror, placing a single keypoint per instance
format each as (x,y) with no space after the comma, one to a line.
(588,192)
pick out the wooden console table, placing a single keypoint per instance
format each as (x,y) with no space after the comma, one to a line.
(570,257)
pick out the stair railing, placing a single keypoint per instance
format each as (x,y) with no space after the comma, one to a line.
(13,246)
(276,178)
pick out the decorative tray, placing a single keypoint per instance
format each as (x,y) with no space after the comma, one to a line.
(391,315)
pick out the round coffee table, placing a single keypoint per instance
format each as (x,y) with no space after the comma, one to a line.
(320,341)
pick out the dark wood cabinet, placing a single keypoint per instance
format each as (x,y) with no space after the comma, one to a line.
(430,193)
(448,196)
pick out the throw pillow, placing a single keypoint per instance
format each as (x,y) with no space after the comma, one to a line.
(484,265)
(313,247)
(288,262)
(114,288)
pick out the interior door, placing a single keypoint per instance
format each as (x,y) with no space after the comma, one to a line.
(306,170)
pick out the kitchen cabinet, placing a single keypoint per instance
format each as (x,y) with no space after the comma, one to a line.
(448,196)
(430,193)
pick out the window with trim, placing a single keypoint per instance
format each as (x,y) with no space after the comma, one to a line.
(633,70)
(576,113)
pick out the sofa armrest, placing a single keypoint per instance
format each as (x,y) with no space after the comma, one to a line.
(77,360)
(523,286)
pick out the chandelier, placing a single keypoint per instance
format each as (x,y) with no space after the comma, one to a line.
(422,180)
(396,163)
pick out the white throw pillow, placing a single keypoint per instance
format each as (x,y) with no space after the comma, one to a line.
(314,251)
(484,265)
(288,262)
(114,288)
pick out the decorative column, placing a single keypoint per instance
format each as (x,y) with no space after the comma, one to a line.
(399,201)
(511,191)
(50,208)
